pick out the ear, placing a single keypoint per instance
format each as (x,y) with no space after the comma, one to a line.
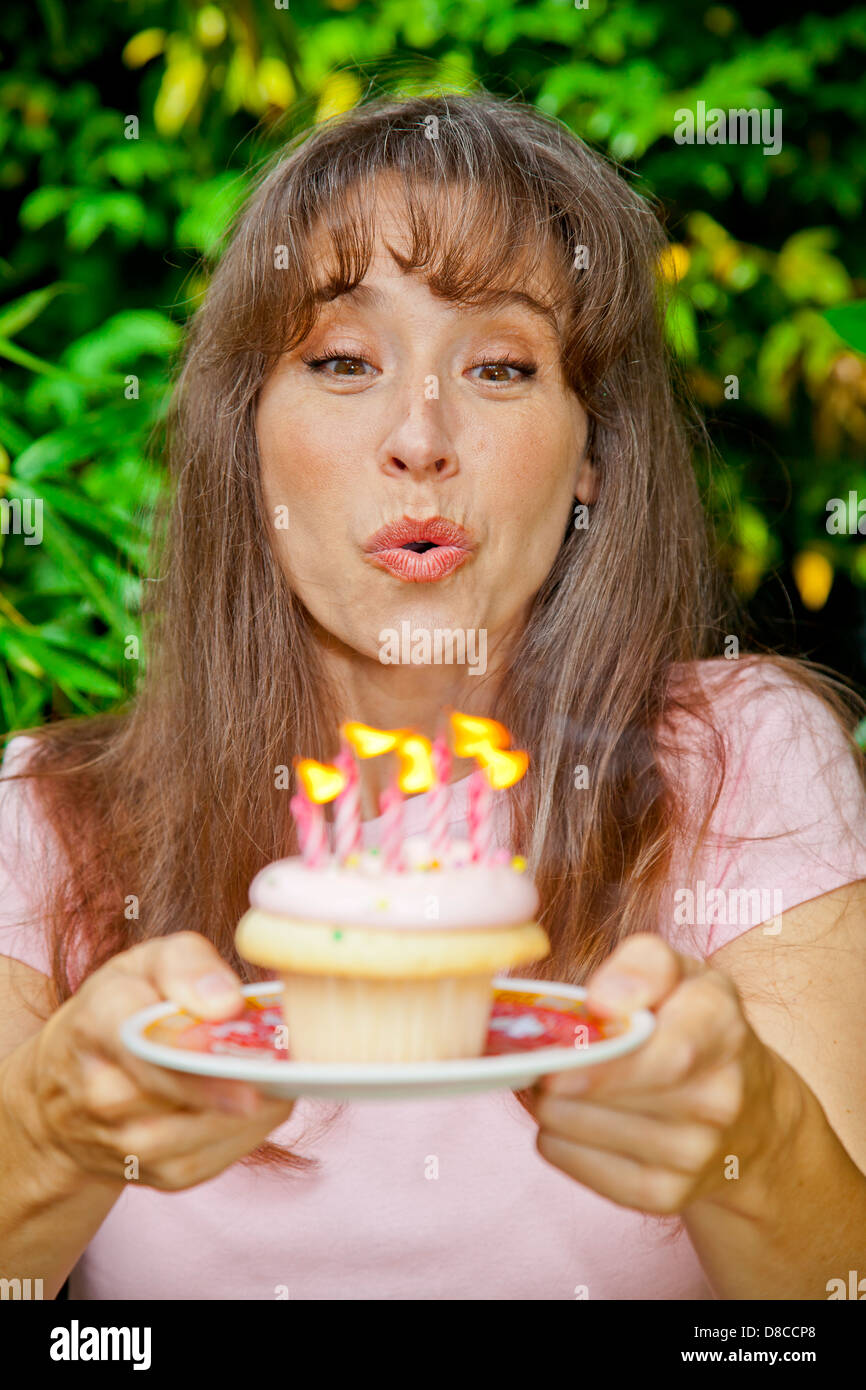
(587,485)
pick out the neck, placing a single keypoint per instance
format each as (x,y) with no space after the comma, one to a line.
(406,696)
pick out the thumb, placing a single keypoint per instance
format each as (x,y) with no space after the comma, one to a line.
(639,974)
(187,969)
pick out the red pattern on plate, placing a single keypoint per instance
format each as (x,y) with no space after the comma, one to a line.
(514,1027)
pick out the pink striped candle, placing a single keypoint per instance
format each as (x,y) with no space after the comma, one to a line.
(391,807)
(479,820)
(347,808)
(310,820)
(438,820)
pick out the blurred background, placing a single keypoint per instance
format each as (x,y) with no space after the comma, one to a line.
(128,129)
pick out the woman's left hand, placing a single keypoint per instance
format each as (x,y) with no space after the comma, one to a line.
(655,1129)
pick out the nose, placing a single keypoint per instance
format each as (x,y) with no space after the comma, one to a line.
(419,442)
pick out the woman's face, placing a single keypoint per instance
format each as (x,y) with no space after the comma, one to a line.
(395,408)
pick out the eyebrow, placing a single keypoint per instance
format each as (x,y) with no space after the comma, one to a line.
(370,297)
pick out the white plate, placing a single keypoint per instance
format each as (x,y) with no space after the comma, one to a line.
(393,1080)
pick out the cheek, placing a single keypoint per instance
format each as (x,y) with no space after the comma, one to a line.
(531,471)
(306,459)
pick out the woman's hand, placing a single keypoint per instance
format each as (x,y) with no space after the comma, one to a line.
(81,1094)
(654,1130)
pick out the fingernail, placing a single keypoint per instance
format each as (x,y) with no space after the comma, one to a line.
(619,991)
(214,985)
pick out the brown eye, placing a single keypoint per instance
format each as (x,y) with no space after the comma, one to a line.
(504,371)
(347,366)
(316,364)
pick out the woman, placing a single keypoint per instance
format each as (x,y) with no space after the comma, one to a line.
(443,309)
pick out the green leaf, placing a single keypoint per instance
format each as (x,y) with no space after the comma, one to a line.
(849,321)
(681,327)
(18,355)
(93,213)
(121,340)
(78,558)
(28,648)
(211,207)
(43,205)
(23,311)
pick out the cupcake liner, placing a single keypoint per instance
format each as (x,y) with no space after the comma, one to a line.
(333,1018)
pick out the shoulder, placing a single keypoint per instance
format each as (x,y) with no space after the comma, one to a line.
(14,787)
(24,860)
(753,704)
(16,753)
(773,765)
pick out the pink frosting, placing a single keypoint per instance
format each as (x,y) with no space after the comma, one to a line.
(461,894)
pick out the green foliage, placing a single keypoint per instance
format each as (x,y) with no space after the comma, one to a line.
(112,227)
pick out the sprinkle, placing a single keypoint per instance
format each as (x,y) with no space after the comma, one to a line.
(338,935)
(352,860)
(382,902)
(518,863)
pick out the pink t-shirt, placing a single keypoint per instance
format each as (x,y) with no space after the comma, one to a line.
(498,1221)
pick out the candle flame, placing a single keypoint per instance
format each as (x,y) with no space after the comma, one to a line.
(417,773)
(472,733)
(486,740)
(503,768)
(321,781)
(369,742)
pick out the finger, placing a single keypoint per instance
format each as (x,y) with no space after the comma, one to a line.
(158,1138)
(115,1092)
(190,1092)
(713,1098)
(658,1191)
(180,1145)
(126,985)
(699,1027)
(641,972)
(682,1145)
(187,969)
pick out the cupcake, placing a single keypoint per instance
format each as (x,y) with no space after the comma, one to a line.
(385,966)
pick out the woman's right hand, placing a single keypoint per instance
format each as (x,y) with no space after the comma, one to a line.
(91,1101)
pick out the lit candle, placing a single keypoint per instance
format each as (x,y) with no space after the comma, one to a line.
(391,807)
(438,820)
(487,741)
(321,782)
(369,743)
(480,829)
(311,830)
(347,808)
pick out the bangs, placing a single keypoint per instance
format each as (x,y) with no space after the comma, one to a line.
(470,247)
(501,202)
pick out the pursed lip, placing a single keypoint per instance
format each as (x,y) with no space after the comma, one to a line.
(450,546)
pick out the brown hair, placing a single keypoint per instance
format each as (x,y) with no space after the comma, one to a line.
(173,798)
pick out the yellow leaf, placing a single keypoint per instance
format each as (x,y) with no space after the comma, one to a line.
(210,26)
(179,91)
(240,77)
(813,575)
(275,82)
(674,262)
(339,93)
(142,47)
(747,573)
